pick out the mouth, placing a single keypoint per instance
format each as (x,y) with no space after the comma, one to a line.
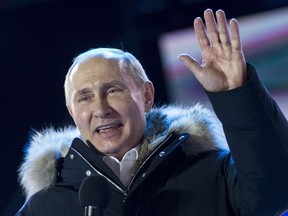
(104,128)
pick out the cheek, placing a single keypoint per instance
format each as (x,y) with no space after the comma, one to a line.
(136,114)
(82,118)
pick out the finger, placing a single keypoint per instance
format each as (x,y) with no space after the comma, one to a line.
(235,35)
(224,34)
(211,26)
(191,63)
(201,35)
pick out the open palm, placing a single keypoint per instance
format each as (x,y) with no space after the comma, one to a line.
(223,67)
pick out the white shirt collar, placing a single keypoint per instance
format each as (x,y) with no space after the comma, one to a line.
(123,168)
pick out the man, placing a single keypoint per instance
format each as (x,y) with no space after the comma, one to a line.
(168,160)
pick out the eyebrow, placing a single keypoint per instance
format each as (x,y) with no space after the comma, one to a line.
(82,92)
(105,86)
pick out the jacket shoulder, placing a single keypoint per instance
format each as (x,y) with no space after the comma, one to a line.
(63,200)
(44,148)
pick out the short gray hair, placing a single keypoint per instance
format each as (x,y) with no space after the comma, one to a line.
(125,58)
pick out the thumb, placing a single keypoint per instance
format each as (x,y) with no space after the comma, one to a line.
(191,63)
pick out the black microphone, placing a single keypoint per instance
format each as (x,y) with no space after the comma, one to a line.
(94,195)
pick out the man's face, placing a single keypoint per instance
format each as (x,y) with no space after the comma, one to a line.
(108,109)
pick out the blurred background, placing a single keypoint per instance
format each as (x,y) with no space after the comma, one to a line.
(39,39)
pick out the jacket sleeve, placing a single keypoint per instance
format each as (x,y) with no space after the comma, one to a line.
(257,134)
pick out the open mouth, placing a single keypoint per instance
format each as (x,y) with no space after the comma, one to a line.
(109,126)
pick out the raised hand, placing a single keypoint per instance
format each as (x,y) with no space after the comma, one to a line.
(223,67)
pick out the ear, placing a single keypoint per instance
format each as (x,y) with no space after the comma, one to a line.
(149,95)
(70,111)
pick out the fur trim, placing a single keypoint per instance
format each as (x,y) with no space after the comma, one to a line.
(38,170)
(205,130)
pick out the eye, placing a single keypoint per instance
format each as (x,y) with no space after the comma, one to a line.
(113,90)
(84,98)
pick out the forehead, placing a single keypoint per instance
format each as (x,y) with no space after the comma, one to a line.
(99,70)
(96,66)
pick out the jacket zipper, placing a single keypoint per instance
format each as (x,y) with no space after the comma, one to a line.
(125,191)
(100,173)
(145,161)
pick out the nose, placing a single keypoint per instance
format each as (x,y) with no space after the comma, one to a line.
(101,108)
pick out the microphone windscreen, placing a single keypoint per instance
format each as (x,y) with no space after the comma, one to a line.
(94,191)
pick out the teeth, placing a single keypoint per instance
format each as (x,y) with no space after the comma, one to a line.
(107,127)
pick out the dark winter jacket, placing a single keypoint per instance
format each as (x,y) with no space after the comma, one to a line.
(184,167)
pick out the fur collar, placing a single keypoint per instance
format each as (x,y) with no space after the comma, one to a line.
(45,147)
